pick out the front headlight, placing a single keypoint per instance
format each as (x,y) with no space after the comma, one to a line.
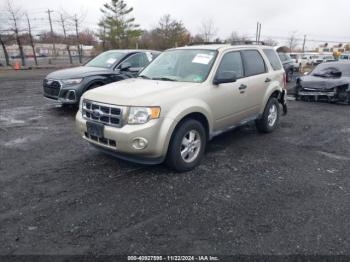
(70,82)
(142,115)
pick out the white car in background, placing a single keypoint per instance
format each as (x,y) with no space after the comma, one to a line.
(296,58)
(307,59)
(301,60)
(319,59)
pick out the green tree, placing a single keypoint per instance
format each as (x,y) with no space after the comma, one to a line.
(118,28)
(170,33)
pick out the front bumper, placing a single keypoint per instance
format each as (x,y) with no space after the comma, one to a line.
(64,95)
(316,93)
(119,141)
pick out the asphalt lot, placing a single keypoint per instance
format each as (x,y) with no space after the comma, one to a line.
(282,193)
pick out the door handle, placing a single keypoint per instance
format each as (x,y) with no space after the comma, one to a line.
(268,80)
(242,87)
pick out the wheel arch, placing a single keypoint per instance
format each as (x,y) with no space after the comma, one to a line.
(273,92)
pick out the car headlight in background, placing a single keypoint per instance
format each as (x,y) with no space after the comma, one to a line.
(70,82)
(142,115)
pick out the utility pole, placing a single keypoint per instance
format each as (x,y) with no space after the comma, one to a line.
(31,40)
(304,44)
(65,39)
(52,35)
(77,36)
(258,33)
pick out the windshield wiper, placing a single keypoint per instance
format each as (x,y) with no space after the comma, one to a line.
(144,77)
(164,79)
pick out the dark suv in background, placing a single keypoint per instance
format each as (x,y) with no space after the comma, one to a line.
(288,65)
(67,86)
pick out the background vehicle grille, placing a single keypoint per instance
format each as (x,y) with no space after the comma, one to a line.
(110,115)
(52,87)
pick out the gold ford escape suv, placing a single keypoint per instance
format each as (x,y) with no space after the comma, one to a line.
(183,99)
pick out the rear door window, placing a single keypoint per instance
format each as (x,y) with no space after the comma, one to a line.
(253,63)
(273,59)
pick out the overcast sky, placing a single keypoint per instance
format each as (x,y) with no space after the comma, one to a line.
(318,19)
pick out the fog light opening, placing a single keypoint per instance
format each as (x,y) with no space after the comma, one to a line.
(139,143)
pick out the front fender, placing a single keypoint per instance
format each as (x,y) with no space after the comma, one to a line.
(182,109)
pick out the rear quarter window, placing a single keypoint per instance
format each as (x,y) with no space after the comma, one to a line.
(254,64)
(273,59)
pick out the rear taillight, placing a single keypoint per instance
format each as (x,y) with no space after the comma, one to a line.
(285,80)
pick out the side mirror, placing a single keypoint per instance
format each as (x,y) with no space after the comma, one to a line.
(225,77)
(125,66)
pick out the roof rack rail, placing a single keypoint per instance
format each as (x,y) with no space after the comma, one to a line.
(207,43)
(247,42)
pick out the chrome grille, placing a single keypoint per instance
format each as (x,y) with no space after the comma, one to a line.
(107,114)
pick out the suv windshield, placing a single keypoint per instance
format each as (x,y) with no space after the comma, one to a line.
(183,65)
(106,59)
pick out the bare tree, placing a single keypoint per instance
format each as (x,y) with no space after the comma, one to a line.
(63,20)
(235,38)
(292,41)
(76,25)
(31,40)
(270,42)
(207,30)
(2,41)
(15,14)
(74,22)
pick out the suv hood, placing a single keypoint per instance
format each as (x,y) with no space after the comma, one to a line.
(78,72)
(140,92)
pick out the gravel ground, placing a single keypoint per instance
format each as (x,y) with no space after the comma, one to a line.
(282,193)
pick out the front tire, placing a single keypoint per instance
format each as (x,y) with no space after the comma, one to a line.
(270,118)
(187,146)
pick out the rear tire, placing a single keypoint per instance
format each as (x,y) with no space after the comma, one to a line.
(270,118)
(187,146)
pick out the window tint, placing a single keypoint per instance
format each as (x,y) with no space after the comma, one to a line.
(137,60)
(232,62)
(253,63)
(273,59)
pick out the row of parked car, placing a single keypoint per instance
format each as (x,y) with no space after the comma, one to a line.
(150,107)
